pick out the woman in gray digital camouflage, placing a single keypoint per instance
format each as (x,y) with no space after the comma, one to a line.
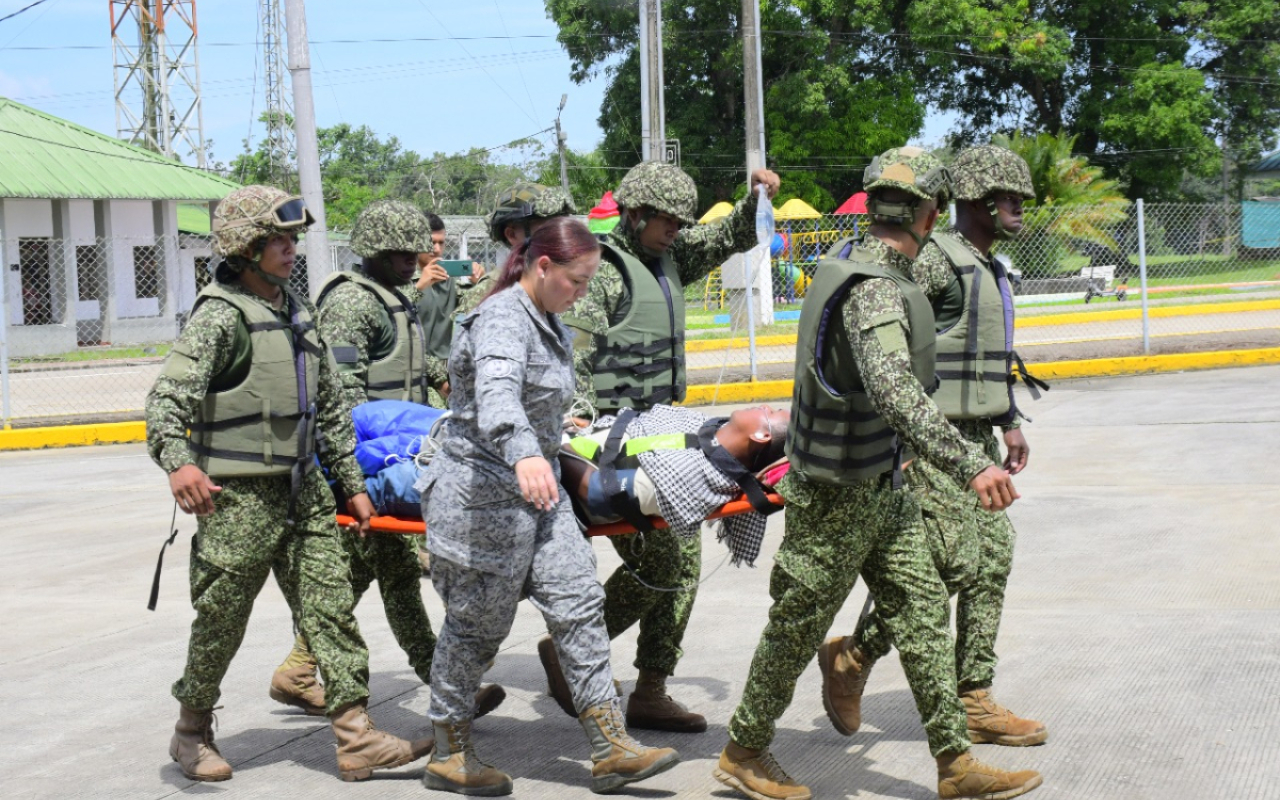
(498,526)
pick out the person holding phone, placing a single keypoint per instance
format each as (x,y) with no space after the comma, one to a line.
(437,305)
(499,526)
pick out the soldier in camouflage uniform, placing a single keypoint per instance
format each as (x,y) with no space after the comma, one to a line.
(498,525)
(972,550)
(861,413)
(621,361)
(367,318)
(251,347)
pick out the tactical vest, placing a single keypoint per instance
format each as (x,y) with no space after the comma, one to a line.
(401,373)
(264,425)
(975,350)
(836,436)
(639,361)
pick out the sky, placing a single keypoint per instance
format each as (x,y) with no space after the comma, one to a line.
(434,96)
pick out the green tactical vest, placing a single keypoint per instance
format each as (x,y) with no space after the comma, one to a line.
(639,362)
(262,426)
(836,436)
(401,373)
(975,346)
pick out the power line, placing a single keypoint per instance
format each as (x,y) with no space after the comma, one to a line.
(19,11)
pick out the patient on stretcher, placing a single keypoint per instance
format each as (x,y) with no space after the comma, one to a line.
(678,464)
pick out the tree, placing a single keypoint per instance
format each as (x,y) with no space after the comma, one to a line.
(589,175)
(833,98)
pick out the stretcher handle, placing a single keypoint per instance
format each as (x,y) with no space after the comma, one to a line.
(397,525)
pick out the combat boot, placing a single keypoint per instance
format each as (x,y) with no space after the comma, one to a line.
(965,776)
(294,682)
(616,758)
(557,686)
(992,723)
(455,767)
(363,748)
(488,698)
(844,677)
(756,774)
(193,748)
(651,708)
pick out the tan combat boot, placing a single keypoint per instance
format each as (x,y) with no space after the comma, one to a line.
(455,767)
(294,682)
(363,748)
(844,677)
(193,748)
(992,723)
(965,776)
(488,698)
(756,774)
(651,708)
(616,758)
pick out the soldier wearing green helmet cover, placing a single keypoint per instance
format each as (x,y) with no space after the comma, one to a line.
(368,319)
(250,352)
(973,551)
(629,353)
(860,416)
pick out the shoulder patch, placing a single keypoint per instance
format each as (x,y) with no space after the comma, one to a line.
(495,368)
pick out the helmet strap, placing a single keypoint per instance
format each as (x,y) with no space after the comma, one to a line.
(1001,232)
(637,228)
(275,280)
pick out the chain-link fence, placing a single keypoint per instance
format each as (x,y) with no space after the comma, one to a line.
(87,322)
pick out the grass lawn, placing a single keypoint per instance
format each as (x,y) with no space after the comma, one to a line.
(100,354)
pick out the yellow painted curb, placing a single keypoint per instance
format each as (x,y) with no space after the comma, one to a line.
(72,435)
(1045,370)
(1079,317)
(703,345)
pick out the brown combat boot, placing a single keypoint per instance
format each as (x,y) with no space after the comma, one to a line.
(363,748)
(616,758)
(966,776)
(651,708)
(193,748)
(756,774)
(557,686)
(294,682)
(844,677)
(992,723)
(488,698)
(455,767)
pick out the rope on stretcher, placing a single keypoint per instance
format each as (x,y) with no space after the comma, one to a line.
(402,526)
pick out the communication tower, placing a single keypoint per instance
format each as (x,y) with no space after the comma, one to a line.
(279,114)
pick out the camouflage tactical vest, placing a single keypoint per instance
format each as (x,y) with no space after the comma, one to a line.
(401,373)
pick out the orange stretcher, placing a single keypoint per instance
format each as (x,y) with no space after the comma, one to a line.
(403,526)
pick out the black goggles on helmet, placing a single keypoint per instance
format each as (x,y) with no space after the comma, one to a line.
(289,214)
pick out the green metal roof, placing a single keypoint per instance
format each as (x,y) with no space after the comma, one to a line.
(193,218)
(42,156)
(1269,163)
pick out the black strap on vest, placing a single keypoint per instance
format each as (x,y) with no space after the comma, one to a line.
(1033,383)
(756,494)
(623,504)
(415,324)
(305,430)
(155,582)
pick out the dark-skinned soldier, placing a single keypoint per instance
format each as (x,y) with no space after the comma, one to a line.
(860,414)
(973,550)
(233,418)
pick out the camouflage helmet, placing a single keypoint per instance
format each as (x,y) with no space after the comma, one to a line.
(390,226)
(660,186)
(527,201)
(984,170)
(255,212)
(911,169)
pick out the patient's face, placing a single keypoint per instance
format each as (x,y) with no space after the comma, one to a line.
(757,422)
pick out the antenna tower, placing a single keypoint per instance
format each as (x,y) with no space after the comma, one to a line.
(157,76)
(280,142)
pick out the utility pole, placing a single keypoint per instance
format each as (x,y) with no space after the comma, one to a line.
(319,263)
(560,138)
(752,86)
(653,134)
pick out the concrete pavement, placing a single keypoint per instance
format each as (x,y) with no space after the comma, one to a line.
(1140,625)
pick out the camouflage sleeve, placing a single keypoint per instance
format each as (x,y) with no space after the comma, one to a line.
(333,420)
(591,317)
(932,271)
(699,249)
(204,349)
(875,316)
(346,322)
(437,371)
(500,363)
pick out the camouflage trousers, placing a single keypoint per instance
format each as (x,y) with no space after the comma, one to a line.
(393,562)
(832,534)
(660,559)
(235,548)
(557,575)
(973,553)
